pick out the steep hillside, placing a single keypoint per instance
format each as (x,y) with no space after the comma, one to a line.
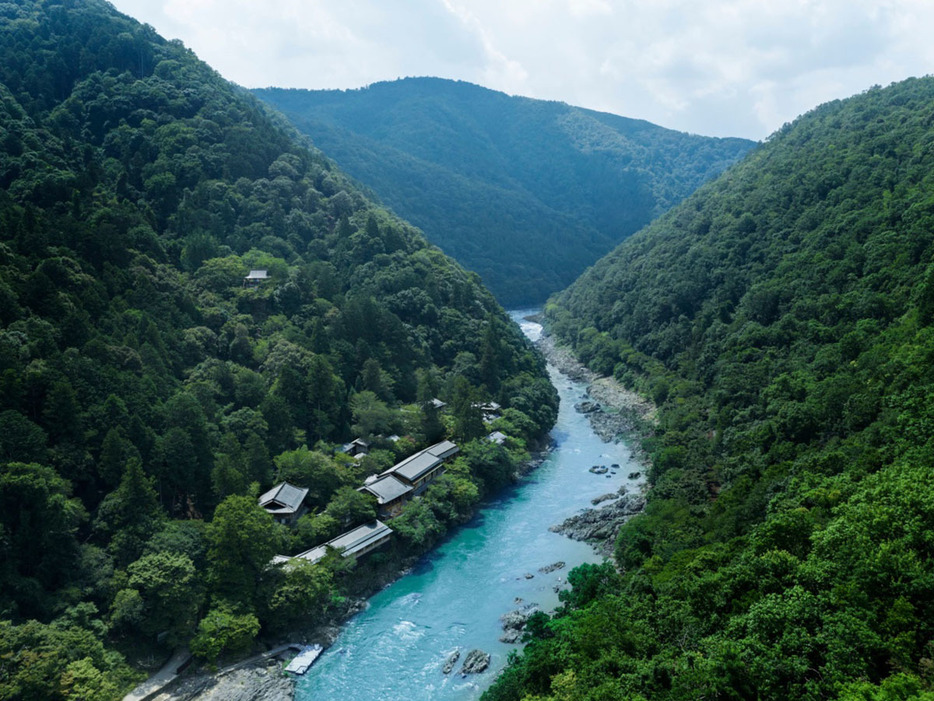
(782,317)
(148,390)
(525,192)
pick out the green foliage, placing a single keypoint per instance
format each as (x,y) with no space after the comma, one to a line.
(224,631)
(351,508)
(144,385)
(490,463)
(129,514)
(38,527)
(41,662)
(313,469)
(169,592)
(242,539)
(527,193)
(302,593)
(465,410)
(781,316)
(370,414)
(418,526)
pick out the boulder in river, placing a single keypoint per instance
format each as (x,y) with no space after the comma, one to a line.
(547,569)
(476,661)
(587,407)
(451,661)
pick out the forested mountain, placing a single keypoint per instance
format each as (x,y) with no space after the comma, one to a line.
(783,318)
(147,391)
(527,193)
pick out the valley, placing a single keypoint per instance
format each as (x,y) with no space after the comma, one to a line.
(258,386)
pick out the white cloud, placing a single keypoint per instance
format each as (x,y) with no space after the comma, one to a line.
(724,67)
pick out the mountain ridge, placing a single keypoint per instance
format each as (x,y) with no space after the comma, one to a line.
(781,319)
(150,391)
(532,191)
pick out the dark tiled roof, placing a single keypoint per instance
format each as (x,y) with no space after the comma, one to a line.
(387,488)
(349,543)
(443,450)
(415,467)
(284,498)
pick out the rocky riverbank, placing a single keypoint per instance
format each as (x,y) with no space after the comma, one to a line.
(614,413)
(255,682)
(601,526)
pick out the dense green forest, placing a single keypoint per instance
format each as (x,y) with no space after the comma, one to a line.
(782,318)
(147,393)
(525,192)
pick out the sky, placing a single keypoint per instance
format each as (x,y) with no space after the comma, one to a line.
(712,67)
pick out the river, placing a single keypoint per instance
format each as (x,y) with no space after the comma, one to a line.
(453,599)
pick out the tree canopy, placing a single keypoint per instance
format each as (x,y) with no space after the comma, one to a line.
(527,193)
(147,388)
(781,318)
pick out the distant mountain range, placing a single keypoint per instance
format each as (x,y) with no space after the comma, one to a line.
(525,192)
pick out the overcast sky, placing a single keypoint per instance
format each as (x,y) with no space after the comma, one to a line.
(714,67)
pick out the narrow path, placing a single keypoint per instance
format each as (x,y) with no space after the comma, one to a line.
(160,679)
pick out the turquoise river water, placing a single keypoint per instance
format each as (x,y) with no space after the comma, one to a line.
(453,599)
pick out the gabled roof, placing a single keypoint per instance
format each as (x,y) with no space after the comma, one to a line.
(354,541)
(357,444)
(443,450)
(416,466)
(386,489)
(257,275)
(424,461)
(349,543)
(283,499)
(497,437)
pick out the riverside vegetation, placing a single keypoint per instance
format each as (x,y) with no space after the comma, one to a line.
(147,394)
(528,193)
(781,317)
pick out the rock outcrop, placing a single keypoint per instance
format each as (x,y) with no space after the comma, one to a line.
(450,662)
(514,622)
(547,569)
(252,683)
(600,526)
(476,661)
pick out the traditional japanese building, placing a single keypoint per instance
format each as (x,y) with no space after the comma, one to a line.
(285,502)
(390,492)
(359,541)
